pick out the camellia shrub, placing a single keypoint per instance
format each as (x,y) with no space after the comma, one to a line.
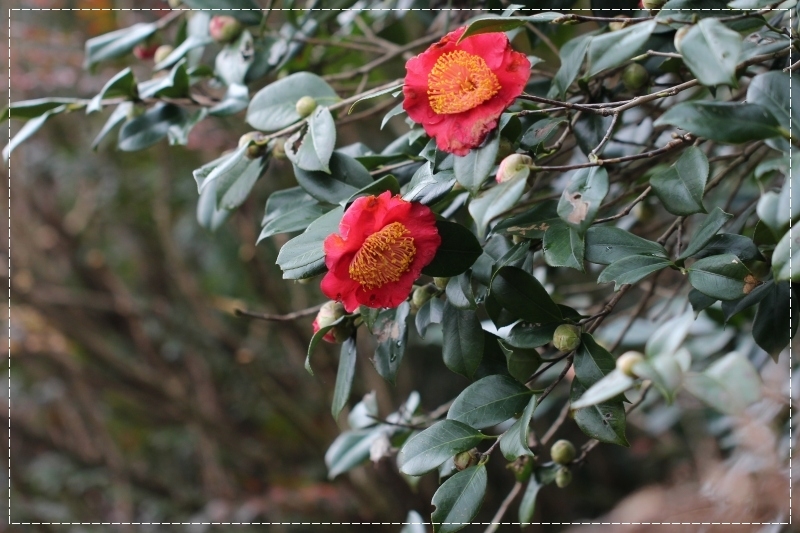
(594,206)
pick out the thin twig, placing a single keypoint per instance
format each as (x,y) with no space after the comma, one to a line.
(278,318)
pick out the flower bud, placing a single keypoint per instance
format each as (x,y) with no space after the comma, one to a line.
(162,52)
(257,144)
(627,361)
(616,26)
(514,166)
(420,296)
(224,29)
(327,315)
(562,451)
(563,477)
(145,50)
(174,3)
(653,4)
(566,337)
(466,459)
(305,106)
(680,34)
(634,77)
(441,283)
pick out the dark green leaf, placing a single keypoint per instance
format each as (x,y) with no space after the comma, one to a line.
(458,499)
(785,265)
(681,186)
(29,128)
(428,188)
(514,442)
(612,49)
(173,85)
(489,401)
(771,90)
(538,135)
(527,505)
(459,292)
(610,386)
(273,107)
(430,313)
(521,363)
(631,269)
(122,84)
(720,276)
(726,122)
(147,129)
(528,336)
(303,256)
(190,43)
(344,376)
(427,450)
(316,339)
(118,115)
(472,169)
(347,176)
(604,422)
(491,24)
(457,253)
(589,131)
(462,344)
(705,232)
(607,244)
(391,333)
(524,296)
(733,307)
(772,327)
(563,246)
(711,50)
(592,361)
(33,108)
(739,245)
(700,301)
(315,143)
(572,54)
(582,197)
(386,183)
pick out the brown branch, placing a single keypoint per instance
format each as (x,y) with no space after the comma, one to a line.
(278,318)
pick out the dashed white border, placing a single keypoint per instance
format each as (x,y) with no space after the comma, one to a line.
(365,523)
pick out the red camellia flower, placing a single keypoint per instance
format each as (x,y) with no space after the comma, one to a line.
(458,91)
(383,244)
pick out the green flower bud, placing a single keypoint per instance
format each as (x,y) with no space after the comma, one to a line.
(257,144)
(627,361)
(563,477)
(567,337)
(305,106)
(635,77)
(162,52)
(279,148)
(420,296)
(516,239)
(224,29)
(174,3)
(515,166)
(562,451)
(466,459)
(616,26)
(441,283)
(653,4)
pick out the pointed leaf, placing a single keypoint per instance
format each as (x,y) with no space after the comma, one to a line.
(427,450)
(458,499)
(489,401)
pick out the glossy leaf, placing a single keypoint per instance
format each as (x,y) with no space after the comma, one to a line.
(720,276)
(350,449)
(458,499)
(632,269)
(472,169)
(456,254)
(609,386)
(711,50)
(572,54)
(428,188)
(147,129)
(121,84)
(726,122)
(705,232)
(462,344)
(582,197)
(533,223)
(739,245)
(303,256)
(607,244)
(563,246)
(771,90)
(391,333)
(114,119)
(775,323)
(527,504)
(490,24)
(346,177)
(430,313)
(29,128)
(116,43)
(489,401)
(494,201)
(612,49)
(524,296)
(514,442)
(289,210)
(681,186)
(459,292)
(785,264)
(311,150)
(344,376)
(427,450)
(273,107)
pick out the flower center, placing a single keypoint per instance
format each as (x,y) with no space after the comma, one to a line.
(460,81)
(384,256)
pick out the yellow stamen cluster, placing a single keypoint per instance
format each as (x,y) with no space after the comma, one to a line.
(384,256)
(460,81)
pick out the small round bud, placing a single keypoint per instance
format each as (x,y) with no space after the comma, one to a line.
(563,477)
(627,361)
(420,296)
(329,313)
(279,148)
(567,337)
(257,144)
(162,52)
(635,77)
(174,3)
(305,106)
(562,451)
(616,26)
(224,29)
(514,166)
(441,283)
(653,4)
(680,34)
(145,50)
(466,459)
(516,239)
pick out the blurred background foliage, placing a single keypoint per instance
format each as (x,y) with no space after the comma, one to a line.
(138,396)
